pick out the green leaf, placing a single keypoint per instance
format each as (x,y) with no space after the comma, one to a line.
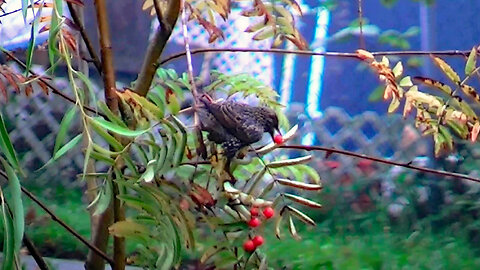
(265,33)
(180,151)
(447,70)
(117,129)
(31,43)
(105,197)
(55,28)
(117,146)
(149,173)
(128,228)
(16,204)
(6,145)
(471,62)
(110,115)
(24,9)
(377,94)
(393,105)
(8,237)
(64,126)
(405,81)
(64,149)
(88,84)
(59,7)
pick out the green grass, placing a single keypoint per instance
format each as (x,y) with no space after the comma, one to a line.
(377,250)
(369,248)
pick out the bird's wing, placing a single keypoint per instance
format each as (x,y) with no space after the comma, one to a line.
(216,132)
(238,119)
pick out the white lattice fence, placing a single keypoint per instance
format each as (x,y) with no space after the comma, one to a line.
(36,119)
(34,122)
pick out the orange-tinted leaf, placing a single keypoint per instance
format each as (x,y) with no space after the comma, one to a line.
(44,28)
(471,92)
(76,2)
(3,89)
(475,131)
(43,86)
(46,5)
(365,55)
(201,196)
(300,43)
(435,84)
(294,5)
(10,80)
(45,19)
(71,24)
(28,90)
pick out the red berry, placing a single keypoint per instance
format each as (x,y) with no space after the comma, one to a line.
(268,212)
(278,139)
(254,222)
(254,211)
(249,246)
(258,240)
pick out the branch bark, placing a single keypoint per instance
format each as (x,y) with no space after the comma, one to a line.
(42,265)
(47,83)
(78,20)
(310,53)
(362,156)
(108,68)
(155,48)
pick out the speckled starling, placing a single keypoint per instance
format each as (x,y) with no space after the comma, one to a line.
(235,125)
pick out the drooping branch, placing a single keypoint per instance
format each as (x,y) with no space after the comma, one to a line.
(88,42)
(155,48)
(54,89)
(311,53)
(56,219)
(363,156)
(33,251)
(380,160)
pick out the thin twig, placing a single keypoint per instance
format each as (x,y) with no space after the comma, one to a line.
(42,265)
(360,25)
(17,10)
(88,42)
(362,156)
(191,78)
(311,53)
(61,222)
(47,83)
(381,160)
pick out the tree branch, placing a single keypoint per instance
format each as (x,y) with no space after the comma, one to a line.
(380,160)
(88,42)
(61,222)
(362,156)
(42,265)
(156,46)
(47,83)
(107,56)
(310,53)
(119,253)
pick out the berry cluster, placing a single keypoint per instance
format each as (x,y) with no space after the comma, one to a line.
(251,244)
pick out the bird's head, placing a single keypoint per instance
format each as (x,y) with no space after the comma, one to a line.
(270,121)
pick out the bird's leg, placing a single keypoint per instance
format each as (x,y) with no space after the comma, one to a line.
(227,169)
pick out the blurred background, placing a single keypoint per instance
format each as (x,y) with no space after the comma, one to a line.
(374,216)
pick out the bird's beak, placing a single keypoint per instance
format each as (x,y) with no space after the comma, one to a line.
(273,133)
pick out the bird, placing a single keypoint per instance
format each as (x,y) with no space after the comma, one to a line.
(235,125)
